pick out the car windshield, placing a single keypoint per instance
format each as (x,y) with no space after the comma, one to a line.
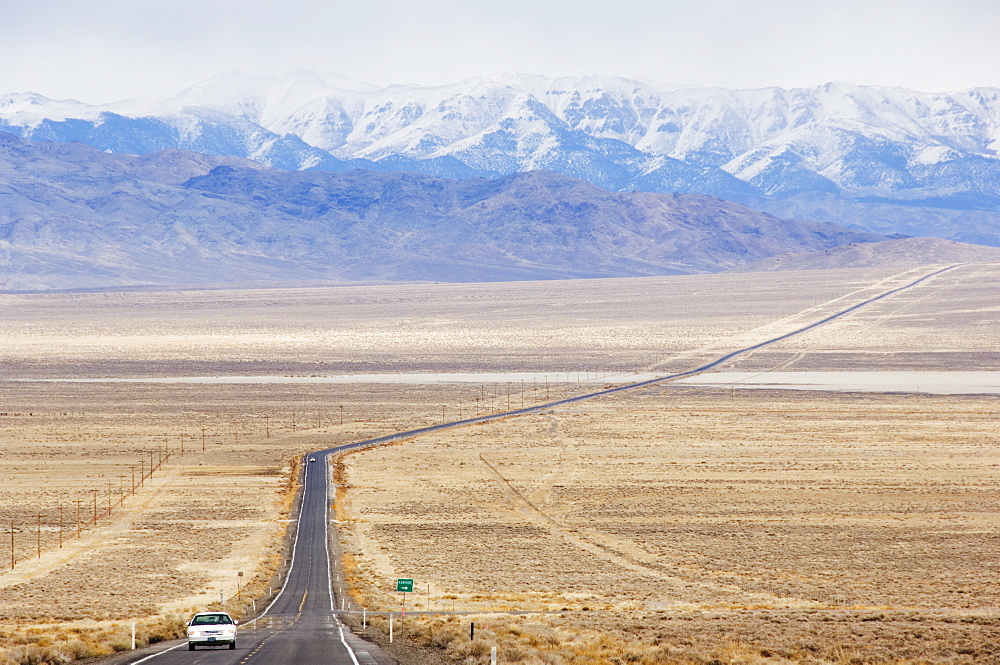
(209,619)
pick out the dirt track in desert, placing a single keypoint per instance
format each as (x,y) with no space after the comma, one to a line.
(656,506)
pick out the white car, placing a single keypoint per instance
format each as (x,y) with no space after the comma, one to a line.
(211,629)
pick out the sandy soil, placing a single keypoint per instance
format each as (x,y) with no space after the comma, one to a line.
(947,324)
(608,325)
(698,498)
(669,500)
(679,512)
(203,517)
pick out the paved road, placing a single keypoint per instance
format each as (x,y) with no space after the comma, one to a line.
(641,384)
(301,627)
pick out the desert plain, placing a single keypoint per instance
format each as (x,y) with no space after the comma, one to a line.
(675,523)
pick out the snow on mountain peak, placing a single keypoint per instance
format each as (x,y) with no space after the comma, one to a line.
(617,132)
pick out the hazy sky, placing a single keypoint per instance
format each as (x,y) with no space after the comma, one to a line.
(102,50)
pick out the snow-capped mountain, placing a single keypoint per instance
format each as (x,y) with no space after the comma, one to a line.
(813,153)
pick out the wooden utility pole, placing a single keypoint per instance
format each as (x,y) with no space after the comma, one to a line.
(267,426)
(202,439)
(95,505)
(79,503)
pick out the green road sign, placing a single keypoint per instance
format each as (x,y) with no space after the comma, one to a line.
(404,585)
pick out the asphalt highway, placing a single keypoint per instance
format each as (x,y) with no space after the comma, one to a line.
(640,384)
(301,627)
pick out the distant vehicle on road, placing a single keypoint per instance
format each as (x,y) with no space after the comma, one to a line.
(211,629)
(312,459)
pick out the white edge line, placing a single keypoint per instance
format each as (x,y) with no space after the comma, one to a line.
(281,591)
(329,577)
(350,651)
(158,653)
(295,544)
(326,537)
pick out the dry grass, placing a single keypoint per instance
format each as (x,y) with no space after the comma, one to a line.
(825,527)
(650,639)
(58,643)
(724,499)
(186,533)
(647,638)
(568,326)
(651,508)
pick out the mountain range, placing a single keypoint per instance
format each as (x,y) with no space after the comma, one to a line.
(885,159)
(73,216)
